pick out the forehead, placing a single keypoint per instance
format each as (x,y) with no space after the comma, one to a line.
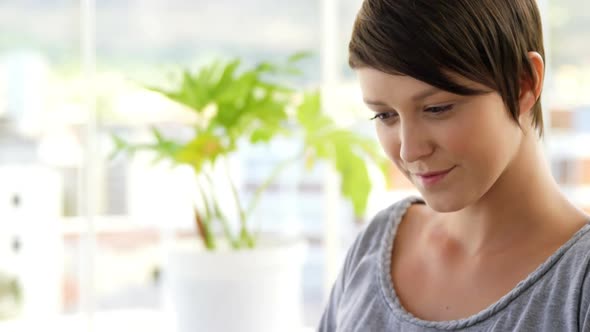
(377,85)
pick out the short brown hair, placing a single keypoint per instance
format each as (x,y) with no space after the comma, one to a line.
(486,41)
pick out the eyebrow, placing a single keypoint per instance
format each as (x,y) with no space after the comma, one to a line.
(421,95)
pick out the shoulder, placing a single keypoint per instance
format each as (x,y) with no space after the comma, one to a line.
(569,266)
(577,256)
(581,246)
(577,270)
(373,237)
(390,216)
(356,283)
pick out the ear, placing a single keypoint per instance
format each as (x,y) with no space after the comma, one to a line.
(530,88)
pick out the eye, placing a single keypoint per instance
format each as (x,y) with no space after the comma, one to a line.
(439,109)
(385,117)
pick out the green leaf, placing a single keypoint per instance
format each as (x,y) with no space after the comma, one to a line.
(293,71)
(165,148)
(120,146)
(310,117)
(157,135)
(276,88)
(237,91)
(296,57)
(228,74)
(347,151)
(309,110)
(226,117)
(206,147)
(354,177)
(261,135)
(267,67)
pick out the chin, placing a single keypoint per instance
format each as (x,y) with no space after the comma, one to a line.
(443,202)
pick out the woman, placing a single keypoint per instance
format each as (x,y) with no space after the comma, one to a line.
(492,245)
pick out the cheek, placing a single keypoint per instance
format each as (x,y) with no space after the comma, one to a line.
(457,141)
(480,142)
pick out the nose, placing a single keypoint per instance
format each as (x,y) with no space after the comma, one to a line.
(414,142)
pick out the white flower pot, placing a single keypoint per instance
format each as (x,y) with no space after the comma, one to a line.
(256,290)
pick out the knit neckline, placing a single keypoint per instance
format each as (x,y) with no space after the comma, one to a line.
(393,302)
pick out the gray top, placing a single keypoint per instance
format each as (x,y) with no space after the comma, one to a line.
(554,298)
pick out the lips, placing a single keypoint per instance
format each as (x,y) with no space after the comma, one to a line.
(430,174)
(431,178)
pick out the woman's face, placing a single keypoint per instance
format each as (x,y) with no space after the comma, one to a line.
(452,147)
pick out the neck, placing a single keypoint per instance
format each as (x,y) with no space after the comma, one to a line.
(525,202)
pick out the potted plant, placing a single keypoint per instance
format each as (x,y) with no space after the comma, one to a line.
(233,271)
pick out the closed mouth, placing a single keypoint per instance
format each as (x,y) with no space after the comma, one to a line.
(436,173)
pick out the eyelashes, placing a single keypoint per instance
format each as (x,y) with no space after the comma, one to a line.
(383,116)
(434,110)
(439,109)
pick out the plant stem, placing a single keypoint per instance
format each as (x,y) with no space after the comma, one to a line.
(205,200)
(204,226)
(235,244)
(204,231)
(244,227)
(221,216)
